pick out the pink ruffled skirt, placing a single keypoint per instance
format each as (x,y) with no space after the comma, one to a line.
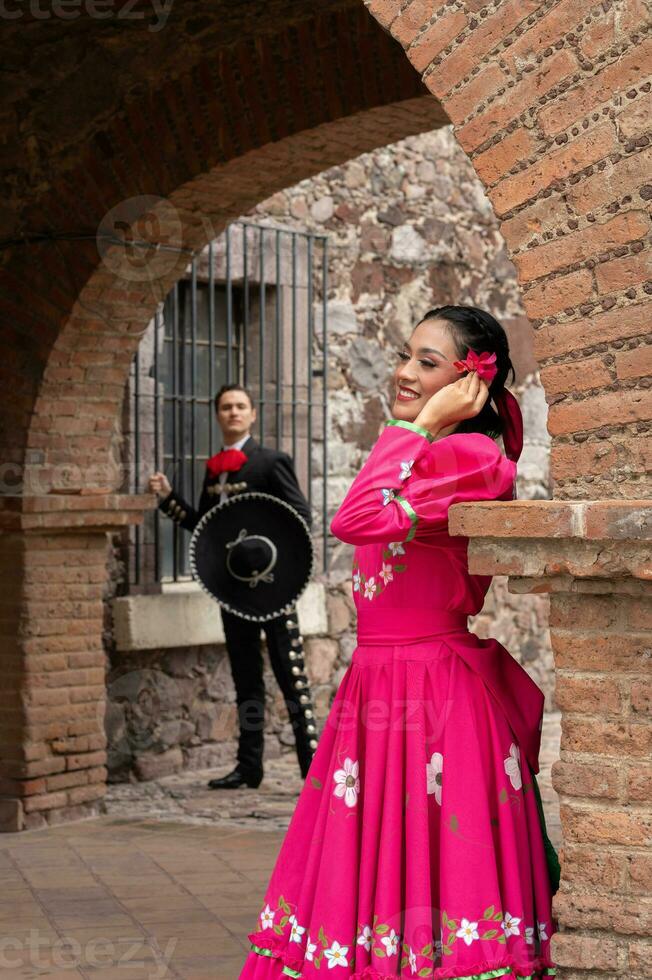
(415,849)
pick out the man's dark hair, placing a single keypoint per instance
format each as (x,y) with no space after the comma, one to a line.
(232,387)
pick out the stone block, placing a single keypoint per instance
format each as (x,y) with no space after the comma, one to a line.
(154,765)
(12,816)
(188,617)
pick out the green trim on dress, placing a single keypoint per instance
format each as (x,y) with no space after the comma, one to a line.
(506,971)
(503,971)
(287,970)
(411,513)
(412,427)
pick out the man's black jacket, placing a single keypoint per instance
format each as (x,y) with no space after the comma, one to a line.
(267,470)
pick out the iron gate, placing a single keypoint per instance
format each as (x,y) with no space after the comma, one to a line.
(251,309)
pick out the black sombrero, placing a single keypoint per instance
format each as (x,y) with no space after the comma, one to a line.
(253,554)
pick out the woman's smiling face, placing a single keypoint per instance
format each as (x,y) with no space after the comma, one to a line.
(425,364)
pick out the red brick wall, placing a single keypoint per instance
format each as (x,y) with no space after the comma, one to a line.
(52,706)
(594,562)
(552,103)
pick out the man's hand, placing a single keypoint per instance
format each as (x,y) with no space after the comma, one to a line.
(159,484)
(459,400)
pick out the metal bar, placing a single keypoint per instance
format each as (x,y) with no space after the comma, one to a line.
(193,377)
(324,286)
(300,234)
(229,306)
(294,345)
(158,320)
(136,411)
(175,419)
(262,328)
(211,346)
(277,328)
(245,288)
(309,370)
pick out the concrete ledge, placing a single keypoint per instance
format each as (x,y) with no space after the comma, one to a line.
(595,520)
(563,539)
(563,558)
(73,512)
(191,618)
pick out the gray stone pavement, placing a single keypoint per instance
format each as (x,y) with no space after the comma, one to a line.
(166,885)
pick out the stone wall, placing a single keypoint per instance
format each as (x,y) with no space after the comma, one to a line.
(409,227)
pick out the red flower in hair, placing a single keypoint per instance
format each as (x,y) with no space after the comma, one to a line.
(227,459)
(484,364)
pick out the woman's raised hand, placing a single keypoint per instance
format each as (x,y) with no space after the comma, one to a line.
(459,400)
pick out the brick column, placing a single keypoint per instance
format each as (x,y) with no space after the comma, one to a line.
(53,574)
(593,560)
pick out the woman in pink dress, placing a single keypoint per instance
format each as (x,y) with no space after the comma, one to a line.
(418,845)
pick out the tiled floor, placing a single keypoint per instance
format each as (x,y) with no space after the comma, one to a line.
(167,885)
(110,900)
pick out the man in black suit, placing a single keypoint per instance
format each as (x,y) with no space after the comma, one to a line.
(270,471)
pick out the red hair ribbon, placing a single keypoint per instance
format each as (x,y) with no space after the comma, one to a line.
(510,412)
(508,407)
(227,459)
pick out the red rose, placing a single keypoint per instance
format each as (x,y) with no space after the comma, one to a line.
(228,459)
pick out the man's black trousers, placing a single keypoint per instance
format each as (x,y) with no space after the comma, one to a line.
(245,656)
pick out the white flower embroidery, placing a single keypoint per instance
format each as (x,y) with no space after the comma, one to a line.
(468,931)
(370,587)
(413,961)
(297,930)
(529,934)
(406,469)
(391,943)
(347,782)
(366,938)
(396,548)
(510,925)
(513,766)
(356,581)
(310,949)
(387,496)
(267,918)
(541,929)
(336,955)
(386,572)
(434,770)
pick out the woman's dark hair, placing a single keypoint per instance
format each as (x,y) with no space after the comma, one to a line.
(232,387)
(470,327)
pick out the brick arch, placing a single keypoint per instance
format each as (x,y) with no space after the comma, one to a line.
(209,134)
(69,439)
(551,101)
